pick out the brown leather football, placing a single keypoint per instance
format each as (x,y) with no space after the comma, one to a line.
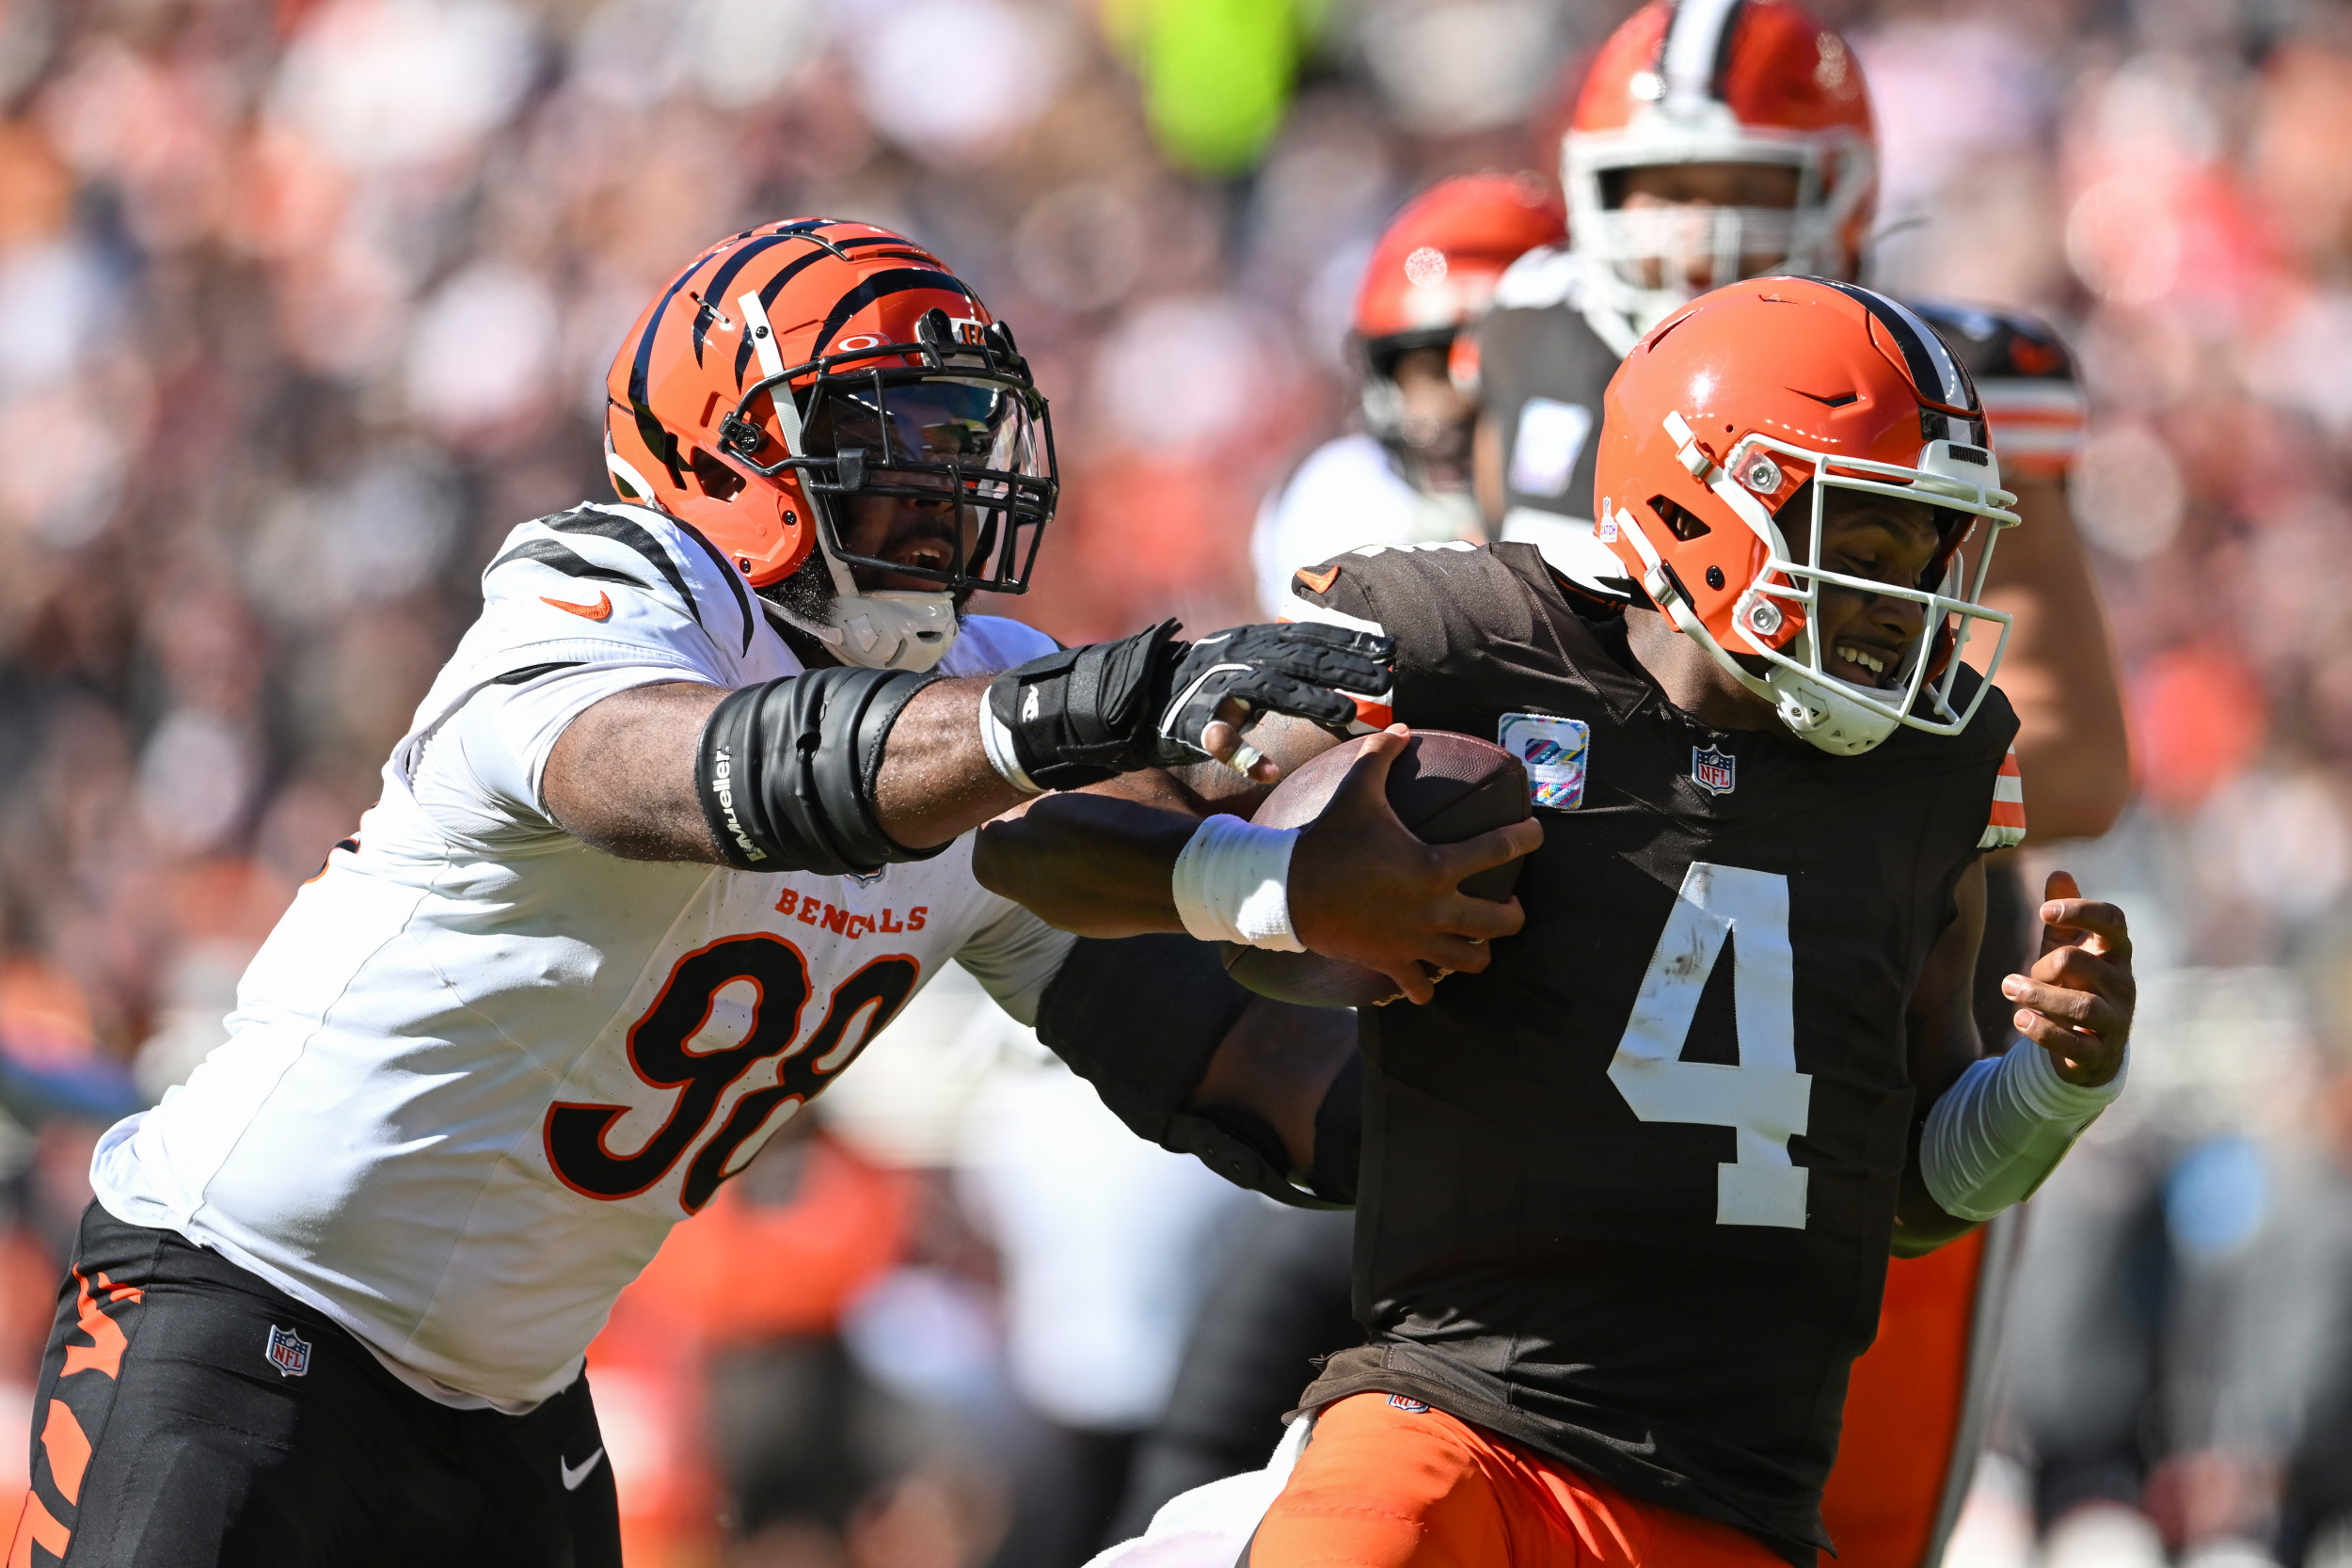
(1445,788)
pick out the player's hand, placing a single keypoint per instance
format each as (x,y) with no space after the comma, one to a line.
(1209,689)
(2076,1001)
(1365,891)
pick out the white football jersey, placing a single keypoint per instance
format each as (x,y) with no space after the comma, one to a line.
(480,1068)
(1347,493)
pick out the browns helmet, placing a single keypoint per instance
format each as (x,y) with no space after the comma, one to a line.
(1429,275)
(1708,82)
(800,364)
(1436,262)
(1716,421)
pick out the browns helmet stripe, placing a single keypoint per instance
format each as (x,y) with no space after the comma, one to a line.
(1695,51)
(1942,381)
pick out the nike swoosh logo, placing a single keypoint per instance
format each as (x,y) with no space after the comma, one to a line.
(597,612)
(1320,581)
(572,1478)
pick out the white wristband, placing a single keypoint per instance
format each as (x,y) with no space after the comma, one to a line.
(1232,884)
(1995,1134)
(996,740)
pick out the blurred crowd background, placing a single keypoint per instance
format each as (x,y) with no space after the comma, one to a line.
(305,303)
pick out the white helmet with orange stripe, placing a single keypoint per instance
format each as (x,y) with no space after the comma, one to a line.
(1714,140)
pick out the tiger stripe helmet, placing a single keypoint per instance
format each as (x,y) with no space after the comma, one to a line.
(796,364)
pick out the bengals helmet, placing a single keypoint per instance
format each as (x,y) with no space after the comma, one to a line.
(796,366)
(1715,422)
(1709,82)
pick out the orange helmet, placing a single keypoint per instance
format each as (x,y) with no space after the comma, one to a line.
(1438,258)
(1718,81)
(801,363)
(1715,420)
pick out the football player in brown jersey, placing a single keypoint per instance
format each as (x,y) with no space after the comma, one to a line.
(1627,1196)
(1720,136)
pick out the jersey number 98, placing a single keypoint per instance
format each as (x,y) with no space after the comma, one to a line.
(575,1133)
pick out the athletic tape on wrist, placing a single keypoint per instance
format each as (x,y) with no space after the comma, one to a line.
(1232,883)
(996,740)
(1994,1136)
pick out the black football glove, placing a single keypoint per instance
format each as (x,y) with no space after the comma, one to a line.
(1083,715)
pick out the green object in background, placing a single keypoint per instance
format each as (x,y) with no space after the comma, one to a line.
(1216,74)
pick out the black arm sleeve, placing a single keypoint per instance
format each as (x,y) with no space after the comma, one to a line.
(1138,1018)
(788,769)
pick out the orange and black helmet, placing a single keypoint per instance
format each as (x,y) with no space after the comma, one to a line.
(803,362)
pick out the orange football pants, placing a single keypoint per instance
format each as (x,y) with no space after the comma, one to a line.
(1386,1485)
(1903,1411)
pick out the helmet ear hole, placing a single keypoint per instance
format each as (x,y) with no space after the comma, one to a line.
(1684,524)
(717,481)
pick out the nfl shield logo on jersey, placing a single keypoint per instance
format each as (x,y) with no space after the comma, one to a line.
(1712,771)
(289,1352)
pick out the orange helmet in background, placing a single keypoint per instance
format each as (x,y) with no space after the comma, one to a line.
(1713,423)
(1718,81)
(799,364)
(1433,270)
(1436,262)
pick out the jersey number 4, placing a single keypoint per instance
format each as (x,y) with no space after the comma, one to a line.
(1762,1098)
(778,977)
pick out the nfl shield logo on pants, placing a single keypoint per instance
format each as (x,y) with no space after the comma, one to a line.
(1712,771)
(289,1352)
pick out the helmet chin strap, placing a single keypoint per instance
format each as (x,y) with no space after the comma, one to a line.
(890,628)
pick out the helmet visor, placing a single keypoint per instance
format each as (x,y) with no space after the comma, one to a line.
(921,438)
(929,425)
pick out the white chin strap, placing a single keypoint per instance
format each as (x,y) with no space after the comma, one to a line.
(1817,711)
(1813,710)
(888,629)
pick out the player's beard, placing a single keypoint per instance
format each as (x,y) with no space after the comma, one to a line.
(808,594)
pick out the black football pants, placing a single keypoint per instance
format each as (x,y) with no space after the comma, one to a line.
(189,1415)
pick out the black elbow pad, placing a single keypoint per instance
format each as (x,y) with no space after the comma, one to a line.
(1139,1017)
(788,769)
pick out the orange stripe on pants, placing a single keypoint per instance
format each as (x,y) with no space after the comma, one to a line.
(1903,1410)
(34,1527)
(1382,1486)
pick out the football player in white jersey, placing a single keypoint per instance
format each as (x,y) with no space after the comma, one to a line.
(684,822)
(1405,479)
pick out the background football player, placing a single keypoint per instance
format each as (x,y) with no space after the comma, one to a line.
(1405,478)
(1629,1194)
(681,825)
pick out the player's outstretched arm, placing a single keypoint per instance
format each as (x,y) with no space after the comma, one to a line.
(2059,670)
(1355,884)
(1267,1094)
(1992,1129)
(847,771)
